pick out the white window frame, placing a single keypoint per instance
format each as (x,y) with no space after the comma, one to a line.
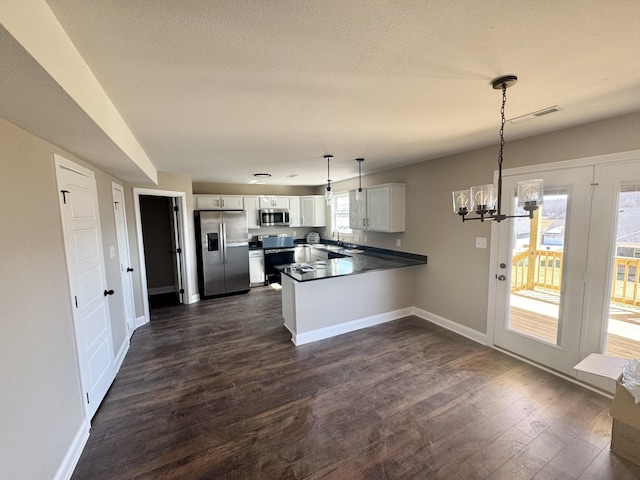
(334,212)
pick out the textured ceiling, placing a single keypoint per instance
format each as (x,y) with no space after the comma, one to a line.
(222,89)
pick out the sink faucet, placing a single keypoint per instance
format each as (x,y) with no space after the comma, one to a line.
(336,233)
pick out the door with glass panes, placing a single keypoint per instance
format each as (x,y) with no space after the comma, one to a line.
(567,280)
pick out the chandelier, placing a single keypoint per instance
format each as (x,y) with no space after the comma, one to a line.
(481,199)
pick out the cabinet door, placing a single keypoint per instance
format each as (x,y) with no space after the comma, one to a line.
(357,210)
(281,202)
(266,202)
(253,215)
(207,202)
(256,269)
(319,211)
(378,208)
(231,203)
(306,211)
(294,212)
(319,255)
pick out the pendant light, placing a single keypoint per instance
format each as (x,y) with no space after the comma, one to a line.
(482,197)
(328,194)
(359,190)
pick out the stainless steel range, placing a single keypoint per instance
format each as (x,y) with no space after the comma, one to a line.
(277,251)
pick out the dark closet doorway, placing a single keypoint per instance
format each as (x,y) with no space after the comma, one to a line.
(162,250)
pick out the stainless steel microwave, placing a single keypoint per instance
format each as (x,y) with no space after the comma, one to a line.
(274,217)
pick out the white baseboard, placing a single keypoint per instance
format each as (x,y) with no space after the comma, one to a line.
(450,325)
(141,321)
(194,298)
(70,460)
(124,348)
(332,331)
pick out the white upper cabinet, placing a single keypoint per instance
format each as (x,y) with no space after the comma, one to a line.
(251,206)
(313,211)
(267,201)
(379,209)
(294,212)
(218,202)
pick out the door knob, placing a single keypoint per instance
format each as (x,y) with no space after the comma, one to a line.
(108,292)
(502,278)
(129,269)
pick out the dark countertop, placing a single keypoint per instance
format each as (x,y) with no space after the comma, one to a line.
(352,264)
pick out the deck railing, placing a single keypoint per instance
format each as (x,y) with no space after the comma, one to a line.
(547,273)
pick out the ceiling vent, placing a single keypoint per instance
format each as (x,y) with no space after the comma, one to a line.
(532,115)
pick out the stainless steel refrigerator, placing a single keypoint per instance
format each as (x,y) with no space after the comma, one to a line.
(223,252)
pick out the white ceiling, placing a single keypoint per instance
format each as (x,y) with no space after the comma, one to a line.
(220,90)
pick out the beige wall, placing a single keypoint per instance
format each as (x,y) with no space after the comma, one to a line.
(455,283)
(41,399)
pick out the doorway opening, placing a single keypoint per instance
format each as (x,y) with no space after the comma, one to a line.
(162,251)
(170,207)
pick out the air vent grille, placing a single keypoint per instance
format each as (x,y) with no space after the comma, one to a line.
(546,111)
(537,113)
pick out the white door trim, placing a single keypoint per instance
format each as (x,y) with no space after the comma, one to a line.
(189,288)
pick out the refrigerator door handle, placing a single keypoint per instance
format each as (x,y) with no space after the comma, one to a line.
(221,235)
(224,242)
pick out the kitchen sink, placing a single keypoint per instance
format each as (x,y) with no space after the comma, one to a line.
(334,248)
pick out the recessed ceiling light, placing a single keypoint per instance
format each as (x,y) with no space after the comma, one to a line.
(262,175)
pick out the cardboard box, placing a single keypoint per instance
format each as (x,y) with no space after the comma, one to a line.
(625,435)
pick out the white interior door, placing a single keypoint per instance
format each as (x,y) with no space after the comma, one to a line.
(87,279)
(541,270)
(124,256)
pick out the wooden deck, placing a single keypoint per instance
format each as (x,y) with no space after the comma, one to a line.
(546,327)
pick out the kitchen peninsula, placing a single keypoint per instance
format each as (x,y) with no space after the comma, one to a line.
(338,295)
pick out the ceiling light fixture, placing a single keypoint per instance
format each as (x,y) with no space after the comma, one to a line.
(359,191)
(328,194)
(262,175)
(483,197)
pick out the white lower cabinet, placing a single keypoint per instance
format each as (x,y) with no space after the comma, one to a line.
(256,267)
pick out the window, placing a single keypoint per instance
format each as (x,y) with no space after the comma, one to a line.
(341,212)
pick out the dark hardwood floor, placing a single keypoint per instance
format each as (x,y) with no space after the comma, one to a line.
(216,390)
